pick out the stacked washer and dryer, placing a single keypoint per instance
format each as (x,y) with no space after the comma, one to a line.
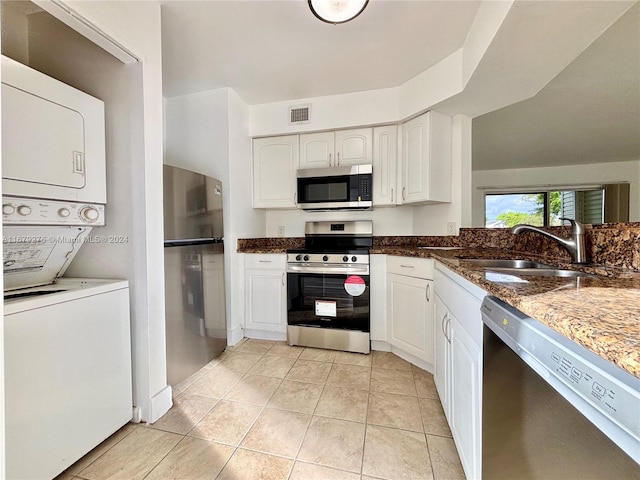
(67,340)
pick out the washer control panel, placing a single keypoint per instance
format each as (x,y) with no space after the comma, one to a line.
(32,211)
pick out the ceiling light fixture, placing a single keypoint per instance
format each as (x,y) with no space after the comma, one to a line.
(337,11)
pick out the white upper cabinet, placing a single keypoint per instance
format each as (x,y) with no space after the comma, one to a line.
(317,150)
(275,161)
(426,159)
(385,165)
(354,147)
(341,148)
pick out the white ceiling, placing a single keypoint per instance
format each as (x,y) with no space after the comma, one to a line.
(270,51)
(589,113)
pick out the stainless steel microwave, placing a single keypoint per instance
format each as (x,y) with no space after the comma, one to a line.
(335,188)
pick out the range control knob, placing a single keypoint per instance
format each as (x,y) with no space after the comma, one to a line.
(298,257)
(64,212)
(345,259)
(8,209)
(325,258)
(306,258)
(89,214)
(354,259)
(24,210)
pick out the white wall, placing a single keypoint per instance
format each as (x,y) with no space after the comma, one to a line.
(571,175)
(136,26)
(328,112)
(208,132)
(386,220)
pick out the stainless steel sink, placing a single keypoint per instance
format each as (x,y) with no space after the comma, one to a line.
(505,263)
(524,267)
(542,272)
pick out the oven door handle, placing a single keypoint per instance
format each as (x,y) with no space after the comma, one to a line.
(329,269)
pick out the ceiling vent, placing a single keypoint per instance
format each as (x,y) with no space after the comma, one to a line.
(299,114)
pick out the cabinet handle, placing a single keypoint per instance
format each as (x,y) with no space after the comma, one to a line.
(392,195)
(264,261)
(283,278)
(338,158)
(442,325)
(330,160)
(447,328)
(407,266)
(295,194)
(403,193)
(427,291)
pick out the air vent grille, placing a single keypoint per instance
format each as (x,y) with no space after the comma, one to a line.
(299,114)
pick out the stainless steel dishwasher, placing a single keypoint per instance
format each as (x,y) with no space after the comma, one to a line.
(550,407)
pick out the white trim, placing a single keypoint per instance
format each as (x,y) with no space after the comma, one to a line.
(80,24)
(234,336)
(380,346)
(160,404)
(265,335)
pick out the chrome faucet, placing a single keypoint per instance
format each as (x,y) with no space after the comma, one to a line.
(575,245)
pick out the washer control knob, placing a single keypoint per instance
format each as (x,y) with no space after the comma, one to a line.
(345,259)
(306,258)
(89,214)
(8,209)
(64,212)
(298,257)
(354,259)
(24,210)
(325,258)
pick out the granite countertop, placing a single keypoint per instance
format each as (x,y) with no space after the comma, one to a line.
(600,313)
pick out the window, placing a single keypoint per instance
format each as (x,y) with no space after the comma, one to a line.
(543,208)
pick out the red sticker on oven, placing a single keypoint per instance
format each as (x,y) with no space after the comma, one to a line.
(354,285)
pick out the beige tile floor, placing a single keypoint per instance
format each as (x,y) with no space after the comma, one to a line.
(265,410)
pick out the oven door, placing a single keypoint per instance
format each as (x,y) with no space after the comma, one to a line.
(326,297)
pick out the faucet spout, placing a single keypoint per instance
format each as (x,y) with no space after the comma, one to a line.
(574,245)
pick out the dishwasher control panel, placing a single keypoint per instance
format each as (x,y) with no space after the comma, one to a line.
(603,385)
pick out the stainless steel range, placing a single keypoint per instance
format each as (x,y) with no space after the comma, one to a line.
(328,287)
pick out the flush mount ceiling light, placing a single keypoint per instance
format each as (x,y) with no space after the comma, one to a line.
(337,11)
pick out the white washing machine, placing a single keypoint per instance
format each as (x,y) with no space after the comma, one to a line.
(67,341)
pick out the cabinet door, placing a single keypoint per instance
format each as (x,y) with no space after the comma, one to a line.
(353,147)
(466,364)
(441,370)
(275,161)
(410,322)
(426,159)
(385,165)
(265,300)
(316,150)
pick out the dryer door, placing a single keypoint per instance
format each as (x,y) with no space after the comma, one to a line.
(42,141)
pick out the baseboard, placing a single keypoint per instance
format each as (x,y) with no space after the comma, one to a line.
(264,335)
(160,404)
(380,346)
(234,335)
(413,359)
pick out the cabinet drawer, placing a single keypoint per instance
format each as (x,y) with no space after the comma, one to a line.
(266,260)
(410,266)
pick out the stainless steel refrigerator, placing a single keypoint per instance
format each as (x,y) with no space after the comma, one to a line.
(194,271)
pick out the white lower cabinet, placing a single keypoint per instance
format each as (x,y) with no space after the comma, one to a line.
(410,306)
(458,363)
(265,294)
